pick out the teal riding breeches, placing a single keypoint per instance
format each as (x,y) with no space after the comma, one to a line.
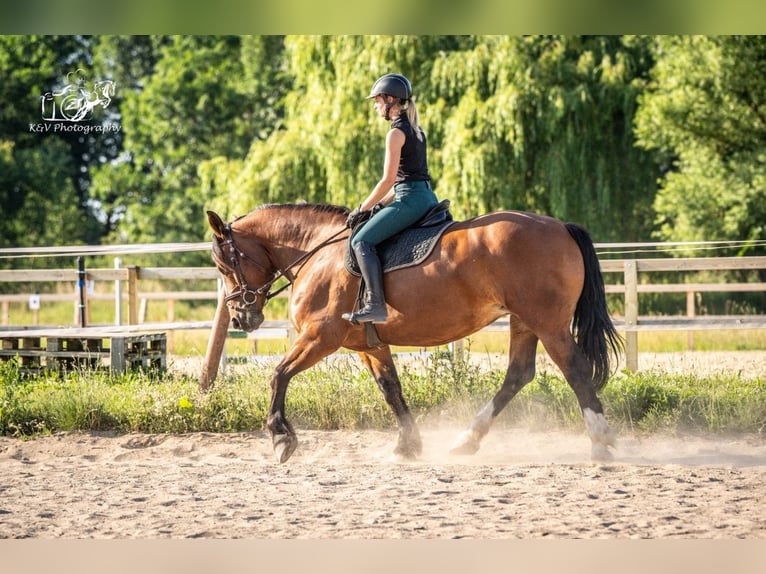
(412,200)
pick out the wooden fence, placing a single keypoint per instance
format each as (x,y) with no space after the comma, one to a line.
(127,280)
(633,322)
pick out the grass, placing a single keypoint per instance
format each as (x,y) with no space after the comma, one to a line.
(339,394)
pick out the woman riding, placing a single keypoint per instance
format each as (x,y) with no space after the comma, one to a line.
(404,191)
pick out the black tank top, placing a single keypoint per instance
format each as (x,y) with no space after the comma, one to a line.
(413,163)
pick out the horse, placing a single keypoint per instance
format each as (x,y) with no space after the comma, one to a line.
(542,272)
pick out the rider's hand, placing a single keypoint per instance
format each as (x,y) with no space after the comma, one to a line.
(356,217)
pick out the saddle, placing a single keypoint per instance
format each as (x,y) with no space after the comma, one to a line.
(411,246)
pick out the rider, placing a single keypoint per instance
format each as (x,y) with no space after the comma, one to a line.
(404,191)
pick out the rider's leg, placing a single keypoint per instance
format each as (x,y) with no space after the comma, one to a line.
(374,309)
(407,208)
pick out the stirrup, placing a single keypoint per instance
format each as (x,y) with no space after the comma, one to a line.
(367,316)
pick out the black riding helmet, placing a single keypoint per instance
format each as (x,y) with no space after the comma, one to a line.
(394,85)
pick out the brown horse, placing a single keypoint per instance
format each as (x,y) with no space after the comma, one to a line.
(542,272)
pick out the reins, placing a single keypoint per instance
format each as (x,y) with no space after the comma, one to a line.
(248,295)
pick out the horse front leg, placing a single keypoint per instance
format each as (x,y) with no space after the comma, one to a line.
(283,437)
(380,363)
(305,352)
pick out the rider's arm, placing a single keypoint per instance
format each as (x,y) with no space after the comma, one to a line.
(384,188)
(388,198)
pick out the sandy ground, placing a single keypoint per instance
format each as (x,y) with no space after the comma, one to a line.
(346,485)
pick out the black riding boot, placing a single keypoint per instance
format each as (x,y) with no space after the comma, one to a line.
(374,309)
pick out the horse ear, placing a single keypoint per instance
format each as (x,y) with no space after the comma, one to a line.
(216,223)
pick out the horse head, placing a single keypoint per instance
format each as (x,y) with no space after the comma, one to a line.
(240,271)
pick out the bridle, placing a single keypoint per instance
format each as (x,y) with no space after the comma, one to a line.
(244,293)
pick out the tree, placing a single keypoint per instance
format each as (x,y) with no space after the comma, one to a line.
(192,105)
(329,147)
(40,205)
(544,124)
(535,123)
(43,175)
(704,114)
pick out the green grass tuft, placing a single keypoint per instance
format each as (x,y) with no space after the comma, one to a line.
(342,395)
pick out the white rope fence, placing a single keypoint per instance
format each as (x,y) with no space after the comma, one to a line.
(150,248)
(675,246)
(95,250)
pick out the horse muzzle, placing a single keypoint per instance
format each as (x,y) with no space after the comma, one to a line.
(247,321)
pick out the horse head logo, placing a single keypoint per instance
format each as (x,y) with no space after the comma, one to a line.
(75,102)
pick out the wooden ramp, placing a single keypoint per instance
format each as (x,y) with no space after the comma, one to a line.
(91,348)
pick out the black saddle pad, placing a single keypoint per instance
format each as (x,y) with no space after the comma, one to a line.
(408,248)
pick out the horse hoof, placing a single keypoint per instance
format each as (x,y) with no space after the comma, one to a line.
(465,445)
(406,453)
(600,453)
(465,449)
(284,446)
(409,447)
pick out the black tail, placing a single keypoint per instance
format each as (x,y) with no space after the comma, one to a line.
(592,325)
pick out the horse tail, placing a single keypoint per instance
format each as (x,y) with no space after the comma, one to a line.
(592,326)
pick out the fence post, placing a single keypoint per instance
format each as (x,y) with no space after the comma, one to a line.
(117,295)
(457,348)
(82,291)
(631,315)
(216,345)
(132,295)
(171,317)
(691,313)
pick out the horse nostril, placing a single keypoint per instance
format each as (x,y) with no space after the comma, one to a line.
(235,323)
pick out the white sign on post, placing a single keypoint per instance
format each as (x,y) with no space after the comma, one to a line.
(34,302)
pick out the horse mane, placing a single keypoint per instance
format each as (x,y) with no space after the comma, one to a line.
(313,207)
(295,221)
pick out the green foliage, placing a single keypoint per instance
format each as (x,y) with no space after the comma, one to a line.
(654,400)
(194,105)
(31,180)
(705,115)
(43,176)
(543,124)
(453,385)
(539,123)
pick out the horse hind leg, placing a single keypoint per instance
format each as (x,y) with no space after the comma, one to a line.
(579,374)
(380,363)
(521,370)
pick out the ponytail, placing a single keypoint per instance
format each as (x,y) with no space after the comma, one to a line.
(412,116)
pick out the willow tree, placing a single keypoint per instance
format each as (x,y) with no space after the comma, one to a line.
(535,123)
(329,147)
(545,124)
